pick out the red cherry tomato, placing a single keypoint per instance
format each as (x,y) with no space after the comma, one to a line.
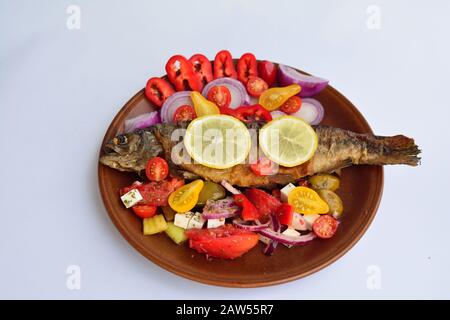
(249,113)
(264,167)
(256,86)
(227,242)
(157,169)
(267,71)
(247,67)
(325,226)
(202,68)
(292,105)
(158,90)
(224,65)
(180,72)
(144,211)
(184,113)
(220,95)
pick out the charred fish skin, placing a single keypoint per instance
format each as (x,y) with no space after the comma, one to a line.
(337,148)
(131,151)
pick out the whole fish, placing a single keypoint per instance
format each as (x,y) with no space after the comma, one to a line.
(337,149)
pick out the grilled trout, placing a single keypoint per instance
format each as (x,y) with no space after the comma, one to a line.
(337,149)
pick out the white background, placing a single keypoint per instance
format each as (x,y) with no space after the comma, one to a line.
(60,88)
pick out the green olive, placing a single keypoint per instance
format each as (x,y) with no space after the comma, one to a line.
(212,191)
(334,202)
(324,181)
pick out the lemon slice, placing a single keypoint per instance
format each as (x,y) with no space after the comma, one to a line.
(217,141)
(288,141)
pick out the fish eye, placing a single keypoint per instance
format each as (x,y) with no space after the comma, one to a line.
(121,139)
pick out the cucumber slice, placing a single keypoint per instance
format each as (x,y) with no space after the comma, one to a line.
(155,224)
(175,233)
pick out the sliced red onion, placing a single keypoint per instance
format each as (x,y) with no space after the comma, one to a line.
(310,85)
(249,227)
(275,226)
(172,103)
(238,92)
(282,238)
(277,113)
(142,121)
(311,111)
(223,208)
(229,187)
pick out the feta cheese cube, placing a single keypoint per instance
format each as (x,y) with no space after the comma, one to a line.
(291,233)
(131,198)
(309,219)
(285,192)
(215,223)
(298,222)
(189,220)
(264,239)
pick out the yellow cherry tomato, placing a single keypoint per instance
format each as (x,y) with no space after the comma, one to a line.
(307,201)
(273,98)
(186,197)
(202,106)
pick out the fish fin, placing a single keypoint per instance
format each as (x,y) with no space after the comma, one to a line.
(399,150)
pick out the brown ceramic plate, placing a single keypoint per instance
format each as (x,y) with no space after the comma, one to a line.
(361,189)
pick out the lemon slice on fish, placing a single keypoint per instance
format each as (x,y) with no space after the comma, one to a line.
(288,141)
(217,141)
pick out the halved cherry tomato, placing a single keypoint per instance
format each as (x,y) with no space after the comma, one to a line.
(249,211)
(184,113)
(251,113)
(227,242)
(157,169)
(155,193)
(264,202)
(144,211)
(292,105)
(285,214)
(180,72)
(267,71)
(158,90)
(186,197)
(202,68)
(264,167)
(220,95)
(224,66)
(325,226)
(246,67)
(256,86)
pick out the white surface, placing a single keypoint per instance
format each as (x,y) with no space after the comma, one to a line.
(60,88)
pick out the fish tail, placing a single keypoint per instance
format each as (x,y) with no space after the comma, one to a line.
(392,150)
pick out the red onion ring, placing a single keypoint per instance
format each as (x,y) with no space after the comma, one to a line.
(310,85)
(172,103)
(229,187)
(282,238)
(311,111)
(142,121)
(238,92)
(238,222)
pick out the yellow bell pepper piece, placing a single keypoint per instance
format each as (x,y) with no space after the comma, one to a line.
(203,106)
(274,98)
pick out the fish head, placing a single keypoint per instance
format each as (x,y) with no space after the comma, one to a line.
(130,151)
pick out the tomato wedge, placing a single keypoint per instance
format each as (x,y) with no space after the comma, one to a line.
(246,67)
(264,202)
(224,66)
(202,68)
(325,226)
(292,105)
(144,211)
(158,90)
(249,211)
(226,242)
(250,113)
(180,72)
(157,169)
(267,71)
(256,86)
(184,113)
(285,214)
(155,193)
(264,167)
(220,95)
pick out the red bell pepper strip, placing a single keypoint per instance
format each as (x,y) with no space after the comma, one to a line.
(249,212)
(247,66)
(267,71)
(224,66)
(158,90)
(252,113)
(202,68)
(285,213)
(180,72)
